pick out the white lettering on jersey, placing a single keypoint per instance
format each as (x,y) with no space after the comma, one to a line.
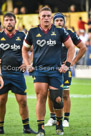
(43,42)
(4,46)
(7,46)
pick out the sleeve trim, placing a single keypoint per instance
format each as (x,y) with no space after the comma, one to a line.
(25,43)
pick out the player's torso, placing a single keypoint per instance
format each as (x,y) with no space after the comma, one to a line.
(10,49)
(47,47)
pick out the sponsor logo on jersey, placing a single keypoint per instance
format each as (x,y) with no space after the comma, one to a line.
(61,85)
(7,46)
(4,46)
(43,42)
(3,39)
(38,35)
(66,82)
(53,33)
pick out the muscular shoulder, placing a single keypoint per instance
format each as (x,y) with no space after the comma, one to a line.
(21,33)
(70,31)
(1,33)
(33,28)
(60,29)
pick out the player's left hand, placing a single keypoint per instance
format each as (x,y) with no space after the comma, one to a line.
(22,67)
(63,68)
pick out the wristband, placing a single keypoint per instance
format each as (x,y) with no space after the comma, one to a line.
(68,64)
(1,75)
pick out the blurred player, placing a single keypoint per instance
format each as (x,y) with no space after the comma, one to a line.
(11,42)
(47,43)
(59,20)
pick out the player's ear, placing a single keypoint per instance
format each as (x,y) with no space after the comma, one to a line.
(39,17)
(52,17)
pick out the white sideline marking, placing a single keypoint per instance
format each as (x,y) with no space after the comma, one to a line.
(74,83)
(80,96)
(72,96)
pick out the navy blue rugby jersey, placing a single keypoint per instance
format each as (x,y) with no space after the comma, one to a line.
(76,40)
(11,50)
(47,47)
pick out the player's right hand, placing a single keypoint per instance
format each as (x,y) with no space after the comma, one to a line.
(63,68)
(1,82)
(30,68)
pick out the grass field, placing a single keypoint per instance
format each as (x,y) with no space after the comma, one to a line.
(80,118)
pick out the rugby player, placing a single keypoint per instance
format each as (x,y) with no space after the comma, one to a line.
(47,42)
(12,69)
(59,20)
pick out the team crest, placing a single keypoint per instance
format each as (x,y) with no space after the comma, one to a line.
(18,39)
(53,33)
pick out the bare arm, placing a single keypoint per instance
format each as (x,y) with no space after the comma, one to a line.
(31,58)
(27,58)
(31,55)
(1,79)
(25,55)
(71,50)
(82,50)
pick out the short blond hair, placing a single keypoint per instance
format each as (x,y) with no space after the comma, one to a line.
(46,8)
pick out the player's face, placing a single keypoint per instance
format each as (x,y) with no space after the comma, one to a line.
(45,18)
(59,22)
(9,23)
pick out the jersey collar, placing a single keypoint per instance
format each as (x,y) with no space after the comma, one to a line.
(10,35)
(45,31)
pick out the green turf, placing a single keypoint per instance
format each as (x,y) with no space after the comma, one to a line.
(80,118)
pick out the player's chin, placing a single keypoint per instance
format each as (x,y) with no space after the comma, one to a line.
(47,23)
(10,29)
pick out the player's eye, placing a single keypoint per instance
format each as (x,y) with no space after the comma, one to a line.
(11,19)
(61,20)
(46,16)
(6,19)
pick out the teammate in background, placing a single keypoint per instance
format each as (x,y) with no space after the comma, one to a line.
(11,42)
(47,42)
(59,20)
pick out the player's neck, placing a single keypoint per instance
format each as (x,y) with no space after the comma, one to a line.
(45,28)
(10,33)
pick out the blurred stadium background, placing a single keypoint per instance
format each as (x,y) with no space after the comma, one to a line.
(80,121)
(27,16)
